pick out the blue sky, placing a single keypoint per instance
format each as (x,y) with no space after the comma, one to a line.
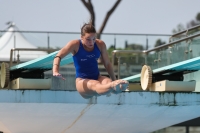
(131,16)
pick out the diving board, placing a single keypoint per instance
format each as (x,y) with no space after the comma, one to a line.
(173,72)
(45,62)
(33,69)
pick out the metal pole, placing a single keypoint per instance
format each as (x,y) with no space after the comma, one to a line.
(114,42)
(118,67)
(147,43)
(187,129)
(18,57)
(145,58)
(14,45)
(48,42)
(113,59)
(11,57)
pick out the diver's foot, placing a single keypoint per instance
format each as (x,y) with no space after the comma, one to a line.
(119,85)
(125,86)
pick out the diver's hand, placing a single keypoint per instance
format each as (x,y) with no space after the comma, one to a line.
(58,75)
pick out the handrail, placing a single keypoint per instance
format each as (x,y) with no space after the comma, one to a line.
(60,32)
(185,30)
(171,43)
(147,51)
(156,48)
(122,51)
(126,51)
(27,49)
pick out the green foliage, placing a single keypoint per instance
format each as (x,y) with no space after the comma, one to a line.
(127,47)
(128,58)
(134,47)
(179,28)
(159,42)
(111,48)
(190,24)
(198,17)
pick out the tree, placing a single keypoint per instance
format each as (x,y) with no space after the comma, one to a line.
(179,28)
(190,24)
(133,46)
(111,48)
(198,17)
(88,4)
(159,42)
(195,22)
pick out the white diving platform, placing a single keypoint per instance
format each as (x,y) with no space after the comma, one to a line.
(30,74)
(47,111)
(168,78)
(183,66)
(66,111)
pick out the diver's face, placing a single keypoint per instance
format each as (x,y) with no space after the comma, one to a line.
(88,39)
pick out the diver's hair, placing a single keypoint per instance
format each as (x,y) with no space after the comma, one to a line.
(87,28)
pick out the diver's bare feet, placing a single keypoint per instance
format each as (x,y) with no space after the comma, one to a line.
(119,85)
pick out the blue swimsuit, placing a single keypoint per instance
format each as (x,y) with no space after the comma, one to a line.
(86,62)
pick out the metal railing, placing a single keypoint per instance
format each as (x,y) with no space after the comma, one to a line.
(171,43)
(116,53)
(25,49)
(185,31)
(50,39)
(114,36)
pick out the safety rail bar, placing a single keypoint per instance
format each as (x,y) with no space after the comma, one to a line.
(185,31)
(26,49)
(114,35)
(120,52)
(171,43)
(60,32)
(145,52)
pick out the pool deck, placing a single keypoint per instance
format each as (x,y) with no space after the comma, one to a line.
(51,111)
